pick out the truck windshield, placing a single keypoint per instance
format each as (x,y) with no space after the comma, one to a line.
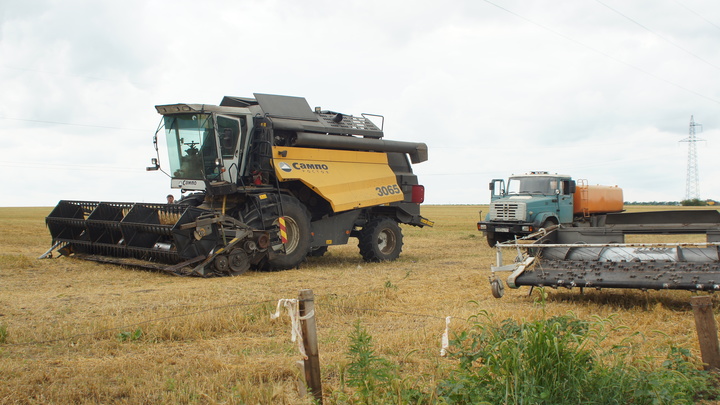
(191,146)
(532,185)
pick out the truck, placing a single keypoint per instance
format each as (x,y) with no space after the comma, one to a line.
(267,180)
(540,200)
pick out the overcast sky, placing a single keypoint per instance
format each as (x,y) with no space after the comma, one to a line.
(602,90)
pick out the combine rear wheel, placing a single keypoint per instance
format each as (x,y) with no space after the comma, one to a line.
(380,240)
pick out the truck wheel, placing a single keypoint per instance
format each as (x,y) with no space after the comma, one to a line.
(297,225)
(491,239)
(380,240)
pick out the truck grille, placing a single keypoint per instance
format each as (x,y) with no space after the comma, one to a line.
(507,212)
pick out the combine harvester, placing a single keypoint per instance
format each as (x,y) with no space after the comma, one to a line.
(271,181)
(589,251)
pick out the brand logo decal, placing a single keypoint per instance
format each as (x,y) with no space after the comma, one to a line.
(310,166)
(285,167)
(189,182)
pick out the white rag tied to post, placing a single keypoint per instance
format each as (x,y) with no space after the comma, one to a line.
(445,340)
(293,309)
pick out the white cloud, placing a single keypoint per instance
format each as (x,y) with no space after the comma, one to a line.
(494,87)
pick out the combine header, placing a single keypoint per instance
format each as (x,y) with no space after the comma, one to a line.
(596,256)
(178,239)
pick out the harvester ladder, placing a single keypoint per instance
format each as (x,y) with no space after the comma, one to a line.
(269,208)
(582,187)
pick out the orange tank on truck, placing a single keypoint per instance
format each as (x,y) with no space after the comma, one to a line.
(528,202)
(596,199)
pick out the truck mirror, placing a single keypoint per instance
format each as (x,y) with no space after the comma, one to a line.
(571,187)
(491,186)
(155,165)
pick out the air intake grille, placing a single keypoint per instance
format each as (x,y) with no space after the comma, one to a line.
(508,212)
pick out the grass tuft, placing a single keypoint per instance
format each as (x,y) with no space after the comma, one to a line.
(562,360)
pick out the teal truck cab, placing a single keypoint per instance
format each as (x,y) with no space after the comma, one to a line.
(527,203)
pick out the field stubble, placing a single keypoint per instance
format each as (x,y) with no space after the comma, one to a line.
(85,332)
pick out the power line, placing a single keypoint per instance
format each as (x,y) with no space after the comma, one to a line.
(697,14)
(659,36)
(139,85)
(561,35)
(63,166)
(71,124)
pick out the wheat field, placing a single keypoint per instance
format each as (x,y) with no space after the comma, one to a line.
(83,332)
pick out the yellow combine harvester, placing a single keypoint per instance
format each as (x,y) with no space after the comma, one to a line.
(269,181)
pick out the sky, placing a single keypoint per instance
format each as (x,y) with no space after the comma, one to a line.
(603,90)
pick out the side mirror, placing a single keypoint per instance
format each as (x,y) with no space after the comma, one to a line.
(155,165)
(491,186)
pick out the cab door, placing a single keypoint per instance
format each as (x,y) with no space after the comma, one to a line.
(565,191)
(232,140)
(497,189)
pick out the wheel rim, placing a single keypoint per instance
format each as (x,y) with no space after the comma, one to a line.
(386,241)
(293,234)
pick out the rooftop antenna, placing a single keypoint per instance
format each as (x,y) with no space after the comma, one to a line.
(691,183)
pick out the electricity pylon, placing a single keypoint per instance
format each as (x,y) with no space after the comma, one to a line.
(692,179)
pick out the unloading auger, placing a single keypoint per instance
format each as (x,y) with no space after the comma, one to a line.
(598,257)
(175,238)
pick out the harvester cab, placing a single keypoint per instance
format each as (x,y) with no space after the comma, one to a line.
(206,145)
(270,181)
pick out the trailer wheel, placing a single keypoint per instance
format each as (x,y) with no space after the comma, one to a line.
(498,289)
(380,240)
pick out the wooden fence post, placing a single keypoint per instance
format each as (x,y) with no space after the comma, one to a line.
(310,341)
(706,331)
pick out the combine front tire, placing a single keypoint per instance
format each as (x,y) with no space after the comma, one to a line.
(297,224)
(380,240)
